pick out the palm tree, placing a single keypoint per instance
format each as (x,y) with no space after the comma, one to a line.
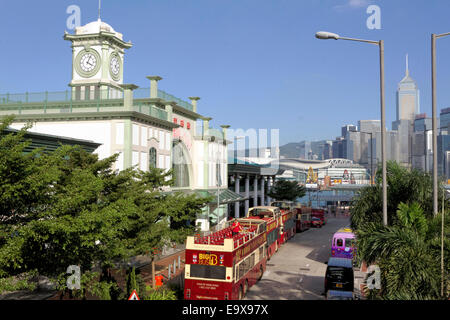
(404,185)
(407,254)
(407,251)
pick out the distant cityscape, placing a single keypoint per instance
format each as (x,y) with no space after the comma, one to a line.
(408,143)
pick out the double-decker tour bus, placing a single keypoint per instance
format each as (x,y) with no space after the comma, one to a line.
(223,266)
(303,221)
(319,213)
(272,217)
(287,220)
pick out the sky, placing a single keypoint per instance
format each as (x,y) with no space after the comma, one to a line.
(254,63)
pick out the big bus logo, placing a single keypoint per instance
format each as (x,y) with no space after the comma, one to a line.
(208,259)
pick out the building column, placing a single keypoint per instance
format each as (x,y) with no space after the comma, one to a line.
(269,186)
(255,191)
(194,103)
(236,190)
(247,193)
(154,85)
(263,202)
(128,95)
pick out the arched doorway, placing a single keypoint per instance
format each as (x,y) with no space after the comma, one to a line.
(181,165)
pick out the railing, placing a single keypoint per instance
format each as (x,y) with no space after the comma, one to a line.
(88,95)
(169,97)
(60,96)
(80,106)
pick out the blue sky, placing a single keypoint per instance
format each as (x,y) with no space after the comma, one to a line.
(254,63)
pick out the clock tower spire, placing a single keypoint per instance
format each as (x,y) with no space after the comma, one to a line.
(98,53)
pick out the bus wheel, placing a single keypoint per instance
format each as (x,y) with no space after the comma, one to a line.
(241,292)
(261,272)
(245,287)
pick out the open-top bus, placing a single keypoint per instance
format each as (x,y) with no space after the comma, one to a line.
(303,218)
(272,217)
(319,213)
(223,266)
(288,225)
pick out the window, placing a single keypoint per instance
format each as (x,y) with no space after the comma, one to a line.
(152,158)
(144,136)
(339,242)
(349,242)
(161,140)
(209,272)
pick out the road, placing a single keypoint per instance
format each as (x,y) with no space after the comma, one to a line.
(297,270)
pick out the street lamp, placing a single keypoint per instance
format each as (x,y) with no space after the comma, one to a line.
(328,35)
(434,121)
(371,155)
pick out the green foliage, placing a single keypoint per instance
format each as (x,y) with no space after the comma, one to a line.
(408,250)
(404,186)
(70,208)
(159,294)
(131,282)
(20,282)
(286,190)
(412,217)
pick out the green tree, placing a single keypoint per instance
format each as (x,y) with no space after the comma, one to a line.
(408,249)
(70,208)
(286,190)
(404,185)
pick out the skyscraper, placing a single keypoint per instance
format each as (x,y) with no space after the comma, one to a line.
(408,104)
(408,107)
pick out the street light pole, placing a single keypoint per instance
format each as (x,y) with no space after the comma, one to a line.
(383,132)
(434,123)
(434,116)
(328,35)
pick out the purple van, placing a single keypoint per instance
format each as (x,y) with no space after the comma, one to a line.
(343,244)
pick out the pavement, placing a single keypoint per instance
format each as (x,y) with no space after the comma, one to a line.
(297,270)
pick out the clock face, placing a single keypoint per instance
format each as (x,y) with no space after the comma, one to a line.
(115,65)
(88,62)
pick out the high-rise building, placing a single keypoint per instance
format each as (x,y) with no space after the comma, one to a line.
(408,104)
(348,128)
(444,120)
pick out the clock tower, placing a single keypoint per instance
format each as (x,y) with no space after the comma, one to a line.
(97,61)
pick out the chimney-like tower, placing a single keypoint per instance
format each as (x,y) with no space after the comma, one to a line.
(194,103)
(154,85)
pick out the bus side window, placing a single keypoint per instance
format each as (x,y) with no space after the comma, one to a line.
(339,242)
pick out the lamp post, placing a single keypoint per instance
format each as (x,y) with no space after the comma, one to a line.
(434,116)
(371,155)
(328,35)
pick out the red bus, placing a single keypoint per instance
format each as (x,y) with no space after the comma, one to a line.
(222,266)
(303,221)
(272,217)
(288,226)
(319,213)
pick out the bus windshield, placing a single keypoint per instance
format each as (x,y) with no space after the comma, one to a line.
(281,205)
(261,213)
(349,242)
(208,272)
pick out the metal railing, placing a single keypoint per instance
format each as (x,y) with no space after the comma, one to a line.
(88,95)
